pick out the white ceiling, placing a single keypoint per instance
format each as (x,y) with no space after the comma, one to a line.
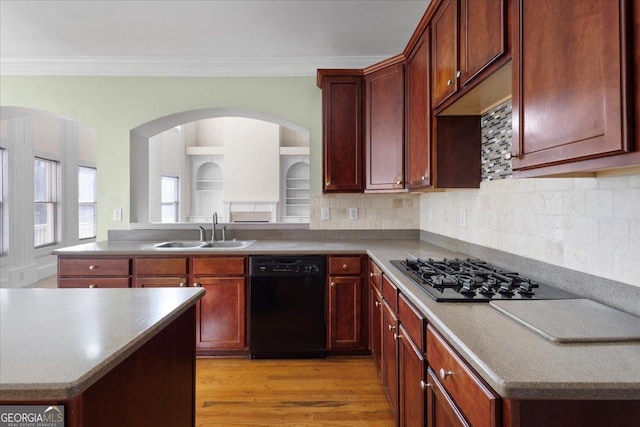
(206,37)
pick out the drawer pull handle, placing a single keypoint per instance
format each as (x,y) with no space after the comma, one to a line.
(391,327)
(92,286)
(424,385)
(93,267)
(444,374)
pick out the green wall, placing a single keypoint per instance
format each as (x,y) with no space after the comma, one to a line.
(115,105)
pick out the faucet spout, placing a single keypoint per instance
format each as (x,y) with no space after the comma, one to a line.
(214,221)
(203,233)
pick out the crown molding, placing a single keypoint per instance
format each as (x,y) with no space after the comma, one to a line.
(178,67)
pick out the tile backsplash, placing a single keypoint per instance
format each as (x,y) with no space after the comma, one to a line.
(496,142)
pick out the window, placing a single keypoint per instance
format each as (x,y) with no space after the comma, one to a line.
(4,214)
(169,199)
(87,202)
(46,202)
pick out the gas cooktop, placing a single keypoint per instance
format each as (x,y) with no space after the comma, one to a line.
(473,280)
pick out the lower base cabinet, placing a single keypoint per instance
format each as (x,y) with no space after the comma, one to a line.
(441,410)
(412,384)
(390,355)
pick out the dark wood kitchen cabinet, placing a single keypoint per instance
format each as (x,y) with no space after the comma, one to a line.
(468,37)
(390,355)
(342,130)
(346,305)
(418,116)
(573,86)
(453,381)
(94,272)
(411,363)
(375,315)
(384,120)
(157,271)
(221,313)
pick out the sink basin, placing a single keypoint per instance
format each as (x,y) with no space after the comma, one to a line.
(196,244)
(220,244)
(186,244)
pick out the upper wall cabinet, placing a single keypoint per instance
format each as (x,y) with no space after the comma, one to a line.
(418,116)
(342,120)
(468,36)
(384,135)
(573,96)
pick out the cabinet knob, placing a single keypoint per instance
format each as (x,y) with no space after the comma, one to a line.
(444,374)
(424,385)
(328,183)
(459,74)
(377,303)
(333,284)
(449,82)
(510,156)
(398,182)
(397,336)
(182,284)
(92,286)
(391,327)
(371,274)
(196,285)
(93,267)
(423,177)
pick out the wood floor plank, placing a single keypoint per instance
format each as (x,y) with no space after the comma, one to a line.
(335,391)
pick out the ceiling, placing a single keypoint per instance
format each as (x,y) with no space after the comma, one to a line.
(214,37)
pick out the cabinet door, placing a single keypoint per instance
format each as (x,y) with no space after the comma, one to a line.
(412,382)
(375,326)
(444,51)
(390,355)
(221,316)
(418,116)
(483,36)
(345,313)
(342,98)
(571,95)
(441,411)
(384,95)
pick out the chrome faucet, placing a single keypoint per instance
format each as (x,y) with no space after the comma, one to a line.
(214,221)
(203,233)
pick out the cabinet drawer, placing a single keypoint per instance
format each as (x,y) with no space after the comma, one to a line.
(161,266)
(375,276)
(390,293)
(344,265)
(89,267)
(412,320)
(94,282)
(474,399)
(219,265)
(162,282)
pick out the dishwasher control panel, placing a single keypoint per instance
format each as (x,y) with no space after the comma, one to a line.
(286,265)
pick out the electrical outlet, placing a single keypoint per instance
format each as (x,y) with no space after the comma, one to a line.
(117,214)
(325,214)
(462,218)
(353,213)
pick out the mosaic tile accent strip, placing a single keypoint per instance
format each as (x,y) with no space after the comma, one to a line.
(496,142)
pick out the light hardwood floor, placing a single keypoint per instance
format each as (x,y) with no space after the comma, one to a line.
(336,391)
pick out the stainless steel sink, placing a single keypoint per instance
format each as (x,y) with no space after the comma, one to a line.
(221,244)
(182,244)
(196,244)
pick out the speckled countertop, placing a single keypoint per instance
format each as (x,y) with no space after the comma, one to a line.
(515,361)
(55,343)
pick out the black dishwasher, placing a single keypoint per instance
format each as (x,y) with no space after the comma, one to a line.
(287,306)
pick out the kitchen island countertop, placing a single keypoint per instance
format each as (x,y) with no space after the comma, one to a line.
(56,343)
(516,362)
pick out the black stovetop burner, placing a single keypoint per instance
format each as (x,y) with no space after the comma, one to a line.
(473,280)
